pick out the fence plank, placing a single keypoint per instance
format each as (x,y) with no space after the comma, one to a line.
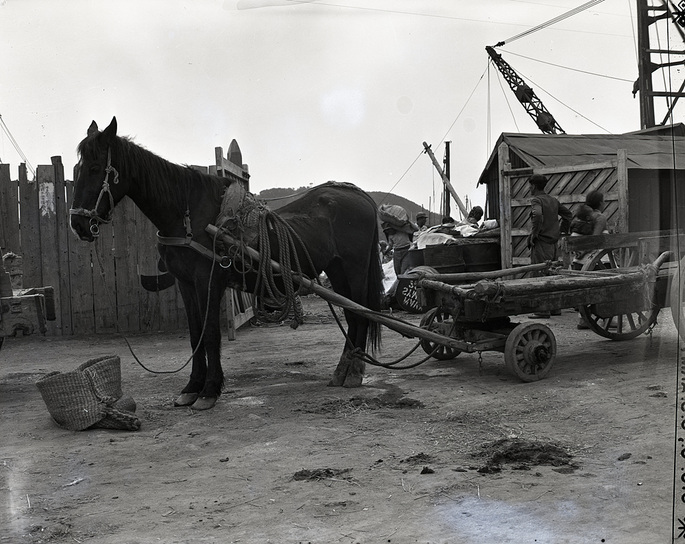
(30,230)
(80,290)
(104,281)
(9,212)
(63,235)
(125,259)
(147,265)
(49,254)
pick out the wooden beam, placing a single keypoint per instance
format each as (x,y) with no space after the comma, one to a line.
(623,223)
(446,180)
(507,250)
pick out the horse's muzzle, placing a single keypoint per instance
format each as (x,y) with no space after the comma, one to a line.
(81,226)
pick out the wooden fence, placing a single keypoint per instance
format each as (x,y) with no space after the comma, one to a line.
(97,286)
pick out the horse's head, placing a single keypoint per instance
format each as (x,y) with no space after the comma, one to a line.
(97,187)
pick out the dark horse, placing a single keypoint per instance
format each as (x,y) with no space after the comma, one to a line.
(336,223)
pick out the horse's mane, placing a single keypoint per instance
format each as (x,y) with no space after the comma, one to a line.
(158,179)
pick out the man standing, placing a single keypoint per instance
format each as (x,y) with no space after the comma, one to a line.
(546,230)
(545,211)
(421,220)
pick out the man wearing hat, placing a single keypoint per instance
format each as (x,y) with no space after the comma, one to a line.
(421,219)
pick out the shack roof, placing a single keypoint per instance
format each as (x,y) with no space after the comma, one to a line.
(651,149)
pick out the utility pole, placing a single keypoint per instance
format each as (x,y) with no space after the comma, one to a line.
(649,15)
(445,180)
(446,165)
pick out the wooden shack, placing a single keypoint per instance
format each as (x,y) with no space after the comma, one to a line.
(641,174)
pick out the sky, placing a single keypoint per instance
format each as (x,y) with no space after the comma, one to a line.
(343,90)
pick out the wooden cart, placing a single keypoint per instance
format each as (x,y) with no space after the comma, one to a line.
(620,291)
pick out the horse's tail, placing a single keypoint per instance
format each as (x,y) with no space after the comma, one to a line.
(375,292)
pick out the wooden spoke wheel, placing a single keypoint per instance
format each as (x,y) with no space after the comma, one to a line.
(439,321)
(530,351)
(621,326)
(678,298)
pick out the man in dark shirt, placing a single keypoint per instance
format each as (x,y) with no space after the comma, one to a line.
(546,230)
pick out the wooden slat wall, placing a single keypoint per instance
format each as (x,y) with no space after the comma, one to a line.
(569,185)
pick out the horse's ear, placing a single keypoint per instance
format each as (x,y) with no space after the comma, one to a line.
(93,128)
(111,130)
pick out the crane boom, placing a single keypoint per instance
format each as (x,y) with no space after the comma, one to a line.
(526,96)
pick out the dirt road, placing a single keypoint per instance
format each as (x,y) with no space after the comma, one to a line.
(448,452)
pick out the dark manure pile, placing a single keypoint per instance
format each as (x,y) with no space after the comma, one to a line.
(319,474)
(523,454)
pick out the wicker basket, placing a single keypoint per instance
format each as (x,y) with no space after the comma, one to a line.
(89,396)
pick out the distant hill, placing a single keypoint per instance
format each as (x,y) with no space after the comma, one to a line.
(279,197)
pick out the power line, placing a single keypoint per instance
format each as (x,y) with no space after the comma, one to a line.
(16,146)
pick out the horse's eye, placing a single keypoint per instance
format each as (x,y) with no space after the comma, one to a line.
(94,168)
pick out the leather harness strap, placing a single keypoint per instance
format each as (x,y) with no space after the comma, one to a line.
(223,261)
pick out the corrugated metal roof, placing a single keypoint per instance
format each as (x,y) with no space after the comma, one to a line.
(646,150)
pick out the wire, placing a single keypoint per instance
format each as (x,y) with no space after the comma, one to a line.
(402,176)
(506,98)
(553,21)
(442,139)
(632,27)
(464,106)
(16,146)
(569,68)
(566,105)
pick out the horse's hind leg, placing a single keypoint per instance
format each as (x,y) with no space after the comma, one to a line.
(350,369)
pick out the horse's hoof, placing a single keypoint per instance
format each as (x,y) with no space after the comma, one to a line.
(186,399)
(353,381)
(204,403)
(336,381)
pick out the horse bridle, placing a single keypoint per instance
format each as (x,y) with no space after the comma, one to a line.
(95,219)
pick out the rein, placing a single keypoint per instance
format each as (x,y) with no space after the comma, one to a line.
(95,219)
(130,347)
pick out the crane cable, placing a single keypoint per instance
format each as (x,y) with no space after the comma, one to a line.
(571,69)
(555,20)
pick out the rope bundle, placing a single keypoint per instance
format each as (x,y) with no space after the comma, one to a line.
(251,222)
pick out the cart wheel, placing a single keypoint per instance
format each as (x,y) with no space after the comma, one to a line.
(678,298)
(530,351)
(440,321)
(620,326)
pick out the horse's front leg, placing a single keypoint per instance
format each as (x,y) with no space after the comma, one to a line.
(210,308)
(198,373)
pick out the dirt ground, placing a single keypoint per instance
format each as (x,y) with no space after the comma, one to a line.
(456,451)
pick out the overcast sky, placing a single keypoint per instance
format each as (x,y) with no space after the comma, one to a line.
(342,90)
